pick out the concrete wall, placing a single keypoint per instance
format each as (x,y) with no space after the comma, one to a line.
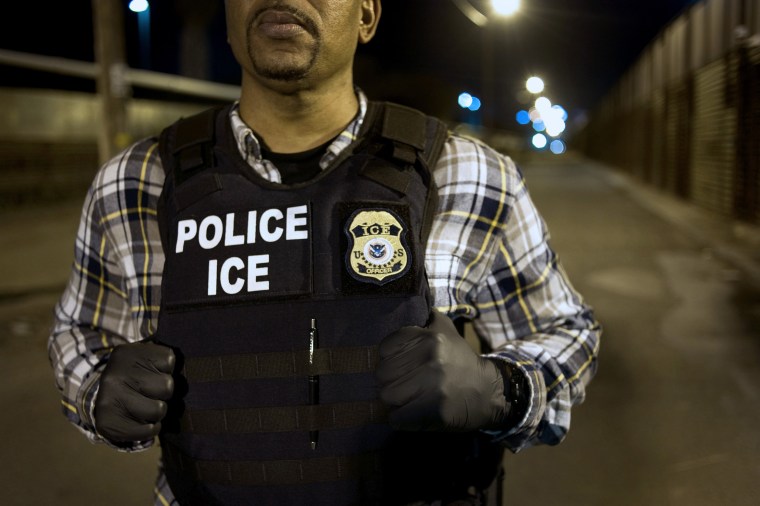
(61,116)
(48,141)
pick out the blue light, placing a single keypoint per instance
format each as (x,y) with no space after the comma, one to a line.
(465,100)
(539,126)
(475,105)
(557,147)
(139,5)
(523,117)
(562,111)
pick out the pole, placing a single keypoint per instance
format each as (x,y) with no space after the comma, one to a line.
(112,86)
(488,76)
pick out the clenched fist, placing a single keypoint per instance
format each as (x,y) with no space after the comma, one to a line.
(134,386)
(433,380)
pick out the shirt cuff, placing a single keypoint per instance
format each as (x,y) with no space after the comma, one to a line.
(519,436)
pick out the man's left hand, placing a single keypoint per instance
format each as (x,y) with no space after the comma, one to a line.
(433,380)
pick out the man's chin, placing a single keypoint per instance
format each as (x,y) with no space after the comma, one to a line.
(283,75)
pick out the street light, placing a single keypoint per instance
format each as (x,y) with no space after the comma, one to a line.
(535,85)
(498,8)
(139,6)
(505,7)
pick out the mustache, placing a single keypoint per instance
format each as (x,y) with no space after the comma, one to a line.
(303,19)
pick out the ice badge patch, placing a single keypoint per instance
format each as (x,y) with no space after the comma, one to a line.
(377,250)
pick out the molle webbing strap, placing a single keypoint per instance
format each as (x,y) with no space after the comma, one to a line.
(281,364)
(284,418)
(274,472)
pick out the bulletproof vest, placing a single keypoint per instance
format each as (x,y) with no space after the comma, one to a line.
(268,286)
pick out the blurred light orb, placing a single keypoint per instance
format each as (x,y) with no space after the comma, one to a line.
(555,127)
(535,85)
(557,147)
(534,114)
(539,141)
(523,117)
(561,110)
(543,105)
(539,126)
(465,100)
(475,105)
(138,5)
(505,7)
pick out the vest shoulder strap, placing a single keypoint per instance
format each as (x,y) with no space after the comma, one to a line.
(187,146)
(415,136)
(417,139)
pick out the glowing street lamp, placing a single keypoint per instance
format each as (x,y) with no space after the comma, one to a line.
(486,17)
(505,8)
(495,9)
(535,85)
(139,6)
(142,8)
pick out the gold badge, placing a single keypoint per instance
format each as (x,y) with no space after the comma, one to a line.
(377,253)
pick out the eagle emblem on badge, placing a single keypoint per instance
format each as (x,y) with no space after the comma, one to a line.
(377,251)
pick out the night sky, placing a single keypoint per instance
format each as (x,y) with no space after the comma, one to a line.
(426,50)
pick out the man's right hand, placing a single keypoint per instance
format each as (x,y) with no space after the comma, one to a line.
(134,386)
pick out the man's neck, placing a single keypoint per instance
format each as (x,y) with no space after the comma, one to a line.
(296,121)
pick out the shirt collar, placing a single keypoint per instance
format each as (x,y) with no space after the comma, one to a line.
(250,147)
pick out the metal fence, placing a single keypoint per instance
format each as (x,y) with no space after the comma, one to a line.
(686,116)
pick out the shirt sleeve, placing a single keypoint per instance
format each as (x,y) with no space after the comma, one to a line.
(530,315)
(107,300)
(489,261)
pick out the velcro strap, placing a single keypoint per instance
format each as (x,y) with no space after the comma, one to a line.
(281,364)
(404,125)
(404,153)
(275,472)
(284,418)
(194,139)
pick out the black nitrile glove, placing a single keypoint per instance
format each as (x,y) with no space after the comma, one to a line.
(433,380)
(134,386)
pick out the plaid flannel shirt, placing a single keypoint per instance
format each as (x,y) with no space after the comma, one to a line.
(487,259)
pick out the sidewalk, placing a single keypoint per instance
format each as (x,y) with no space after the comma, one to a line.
(732,241)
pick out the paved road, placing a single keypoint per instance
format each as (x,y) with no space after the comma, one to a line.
(671,418)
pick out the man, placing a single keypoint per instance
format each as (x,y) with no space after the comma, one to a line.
(271,288)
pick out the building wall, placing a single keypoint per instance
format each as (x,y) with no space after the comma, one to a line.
(686,116)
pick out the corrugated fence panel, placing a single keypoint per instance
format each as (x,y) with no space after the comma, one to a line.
(754,17)
(747,189)
(698,43)
(677,139)
(713,151)
(691,107)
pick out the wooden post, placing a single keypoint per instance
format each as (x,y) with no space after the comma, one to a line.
(113,89)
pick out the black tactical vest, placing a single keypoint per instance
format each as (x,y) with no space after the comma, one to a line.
(249,265)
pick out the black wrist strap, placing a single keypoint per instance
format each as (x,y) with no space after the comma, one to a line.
(516,392)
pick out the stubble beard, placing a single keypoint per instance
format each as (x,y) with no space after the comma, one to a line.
(283,70)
